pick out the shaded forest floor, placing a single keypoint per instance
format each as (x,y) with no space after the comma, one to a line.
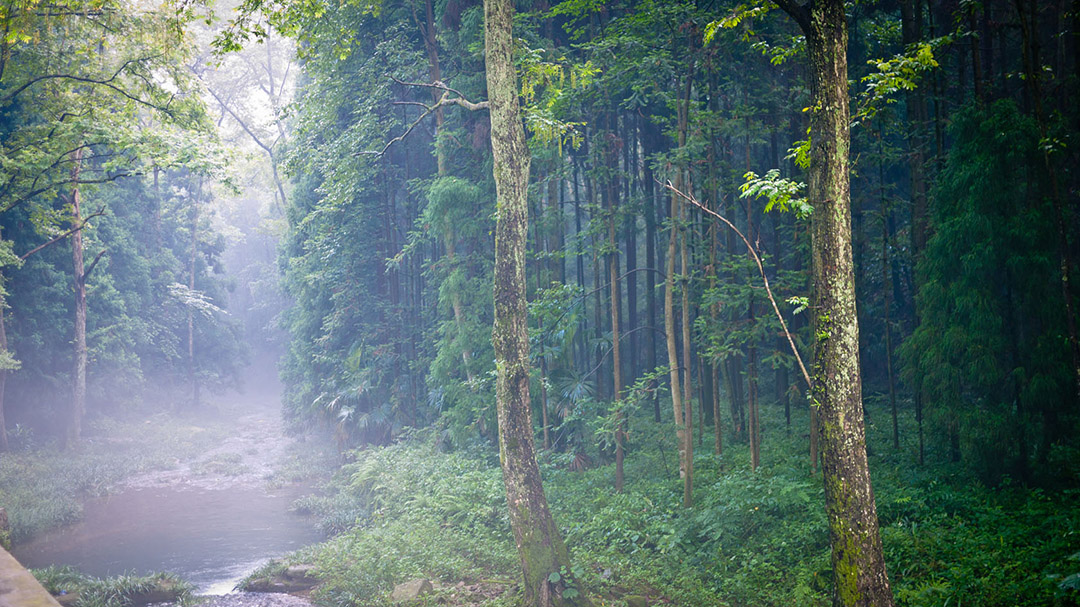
(412,510)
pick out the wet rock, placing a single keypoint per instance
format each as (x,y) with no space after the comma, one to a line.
(410,591)
(295,578)
(278,584)
(301,573)
(164,592)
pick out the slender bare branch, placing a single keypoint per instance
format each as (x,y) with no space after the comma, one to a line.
(243,124)
(58,238)
(438,84)
(423,105)
(443,101)
(57,184)
(93,264)
(761,270)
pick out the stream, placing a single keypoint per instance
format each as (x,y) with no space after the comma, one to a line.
(211,521)
(209,537)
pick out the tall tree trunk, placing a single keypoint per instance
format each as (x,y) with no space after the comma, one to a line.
(857,559)
(192,381)
(651,260)
(911,33)
(735,390)
(3,371)
(751,347)
(888,299)
(630,234)
(579,258)
(752,400)
(539,543)
(672,349)
(78,375)
(431,46)
(688,416)
(616,356)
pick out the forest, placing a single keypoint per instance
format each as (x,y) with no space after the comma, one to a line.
(777,297)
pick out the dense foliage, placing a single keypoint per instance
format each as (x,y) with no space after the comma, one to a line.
(107,156)
(964,222)
(753,539)
(963,226)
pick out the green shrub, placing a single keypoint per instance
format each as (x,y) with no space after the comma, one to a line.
(117,591)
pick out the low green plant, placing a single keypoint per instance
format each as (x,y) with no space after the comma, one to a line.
(753,537)
(117,591)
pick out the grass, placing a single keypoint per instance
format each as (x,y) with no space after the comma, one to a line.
(753,537)
(42,489)
(117,591)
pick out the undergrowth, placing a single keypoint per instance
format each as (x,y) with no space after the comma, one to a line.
(117,591)
(753,538)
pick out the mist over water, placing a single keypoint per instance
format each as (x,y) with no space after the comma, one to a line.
(211,520)
(210,537)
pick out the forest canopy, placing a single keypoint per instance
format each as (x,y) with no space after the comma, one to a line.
(702,210)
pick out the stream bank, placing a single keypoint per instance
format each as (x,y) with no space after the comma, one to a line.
(211,517)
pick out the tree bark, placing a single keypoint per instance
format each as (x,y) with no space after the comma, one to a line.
(888,300)
(539,543)
(669,331)
(651,261)
(192,381)
(616,356)
(688,403)
(3,372)
(858,563)
(78,375)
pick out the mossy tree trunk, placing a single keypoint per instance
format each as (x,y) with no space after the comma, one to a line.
(858,563)
(545,561)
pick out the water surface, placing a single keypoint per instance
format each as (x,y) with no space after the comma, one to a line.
(211,537)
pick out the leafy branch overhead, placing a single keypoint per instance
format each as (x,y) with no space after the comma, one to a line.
(780,193)
(195,300)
